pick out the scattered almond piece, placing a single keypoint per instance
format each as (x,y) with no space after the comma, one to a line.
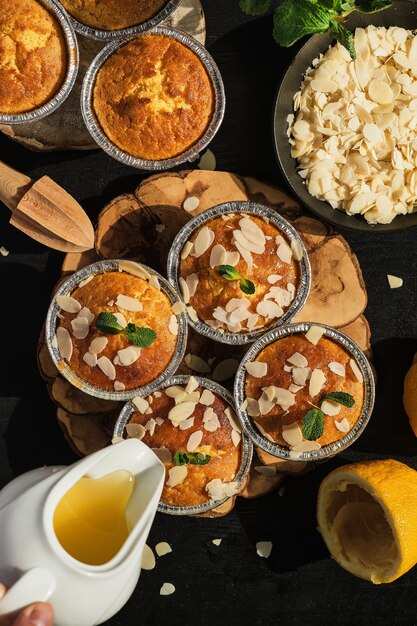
(90,358)
(121,320)
(141,404)
(154,282)
(291,433)
(188,246)
(173,325)
(317,381)
(163,454)
(314,334)
(163,548)
(148,558)
(118,386)
(194,440)
(167,589)
(235,436)
(192,313)
(177,474)
(207,397)
(297,250)
(128,356)
(131,267)
(178,307)
(136,431)
(264,548)
(216,542)
(298,360)
(4,251)
(337,368)
(394,281)
(207,161)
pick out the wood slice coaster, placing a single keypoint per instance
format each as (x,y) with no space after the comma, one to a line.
(141,226)
(65,129)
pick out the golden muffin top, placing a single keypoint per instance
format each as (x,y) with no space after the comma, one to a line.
(117,331)
(195,434)
(153,98)
(32,56)
(113,14)
(233,246)
(304,391)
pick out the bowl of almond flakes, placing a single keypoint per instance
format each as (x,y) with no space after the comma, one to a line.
(345,129)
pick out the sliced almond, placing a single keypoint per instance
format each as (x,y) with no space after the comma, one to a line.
(298,360)
(128,303)
(177,475)
(121,320)
(167,588)
(192,282)
(212,424)
(80,327)
(317,381)
(217,256)
(232,258)
(265,405)
(188,246)
(291,433)
(148,558)
(85,282)
(186,424)
(263,432)
(330,408)
(235,438)
(194,440)
(85,312)
(203,241)
(185,292)
(245,243)
(207,161)
(118,386)
(258,369)
(284,397)
(107,367)
(284,252)
(314,334)
(300,375)
(225,369)
(306,446)
(237,303)
(253,409)
(216,542)
(297,250)
(208,414)
(68,304)
(337,368)
(154,282)
(90,358)
(294,388)
(163,548)
(245,254)
(273,278)
(264,549)
(356,370)
(178,307)
(131,267)
(173,325)
(64,343)
(394,281)
(190,204)
(180,412)
(207,397)
(197,364)
(136,431)
(192,385)
(343,425)
(128,356)
(175,391)
(269,309)
(141,404)
(192,313)
(232,420)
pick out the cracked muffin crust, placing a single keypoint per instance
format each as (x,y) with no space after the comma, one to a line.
(113,14)
(32,56)
(153,97)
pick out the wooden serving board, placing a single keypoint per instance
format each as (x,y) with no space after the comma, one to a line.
(141,226)
(64,129)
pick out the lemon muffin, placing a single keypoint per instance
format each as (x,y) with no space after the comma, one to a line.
(304,391)
(195,434)
(113,14)
(239,273)
(32,56)
(117,331)
(153,97)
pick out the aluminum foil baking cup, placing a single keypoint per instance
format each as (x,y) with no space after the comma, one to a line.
(246,444)
(64,368)
(331,449)
(101,138)
(72,68)
(247,208)
(110,35)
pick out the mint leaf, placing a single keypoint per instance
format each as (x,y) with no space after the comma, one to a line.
(140,335)
(255,7)
(229,272)
(247,286)
(313,425)
(107,323)
(341,398)
(343,36)
(198,458)
(373,6)
(294,19)
(180,458)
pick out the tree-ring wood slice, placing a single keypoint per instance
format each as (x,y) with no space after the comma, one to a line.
(64,129)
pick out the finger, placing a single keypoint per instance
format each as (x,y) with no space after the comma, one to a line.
(39,614)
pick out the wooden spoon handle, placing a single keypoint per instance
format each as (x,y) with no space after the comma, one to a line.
(13,186)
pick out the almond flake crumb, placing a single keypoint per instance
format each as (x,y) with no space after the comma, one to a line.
(117,439)
(178,307)
(148,558)
(216,542)
(190,204)
(140,403)
(192,313)
(135,431)
(4,251)
(167,589)
(394,281)
(314,334)
(163,548)
(264,549)
(118,386)
(207,161)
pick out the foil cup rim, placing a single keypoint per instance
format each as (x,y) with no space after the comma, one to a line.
(240,206)
(64,368)
(329,450)
(99,136)
(247,447)
(72,60)
(105,35)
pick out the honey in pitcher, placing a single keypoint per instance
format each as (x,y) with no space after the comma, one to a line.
(90,520)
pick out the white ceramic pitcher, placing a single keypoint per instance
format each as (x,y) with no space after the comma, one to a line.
(35,565)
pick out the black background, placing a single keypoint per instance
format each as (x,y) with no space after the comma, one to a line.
(299,583)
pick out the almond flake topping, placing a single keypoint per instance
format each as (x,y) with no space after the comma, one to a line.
(163,454)
(330,408)
(216,542)
(306,446)
(107,367)
(355,369)
(202,242)
(188,246)
(151,425)
(207,397)
(141,404)
(274,278)
(120,319)
(269,309)
(178,307)
(232,419)
(80,327)
(300,375)
(135,430)
(196,363)
(192,385)
(225,369)
(218,490)
(217,256)
(252,232)
(343,425)
(163,548)
(263,432)
(237,303)
(90,358)
(185,291)
(154,282)
(337,368)
(68,304)
(85,312)
(128,356)
(118,386)
(297,250)
(128,304)
(298,360)
(253,407)
(192,313)
(131,267)
(240,239)
(190,204)
(186,424)
(176,391)
(173,325)
(284,398)
(85,282)
(284,252)
(265,405)
(232,258)
(258,369)
(64,343)
(235,438)
(192,282)
(314,334)
(181,411)
(177,475)
(294,388)
(317,381)
(194,440)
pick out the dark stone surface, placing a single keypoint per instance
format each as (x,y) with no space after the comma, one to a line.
(299,583)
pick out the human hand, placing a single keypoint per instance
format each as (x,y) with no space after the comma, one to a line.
(38,614)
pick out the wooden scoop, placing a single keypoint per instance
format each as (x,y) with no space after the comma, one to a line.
(45,211)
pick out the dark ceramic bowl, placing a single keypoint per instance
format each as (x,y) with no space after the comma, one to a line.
(402,13)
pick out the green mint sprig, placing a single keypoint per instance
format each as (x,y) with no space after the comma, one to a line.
(195,458)
(230,273)
(138,335)
(341,398)
(293,19)
(313,422)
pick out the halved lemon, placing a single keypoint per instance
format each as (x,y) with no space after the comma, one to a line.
(367,516)
(410,395)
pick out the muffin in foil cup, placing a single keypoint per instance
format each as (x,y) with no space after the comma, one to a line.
(191,154)
(326,451)
(283,226)
(52,323)
(245,443)
(105,35)
(72,63)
